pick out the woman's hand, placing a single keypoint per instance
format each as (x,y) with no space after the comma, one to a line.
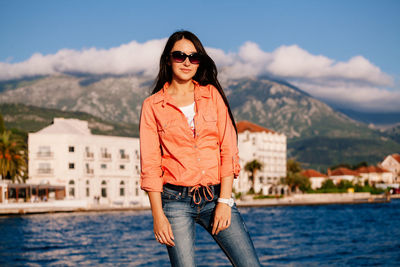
(161,226)
(162,229)
(222,218)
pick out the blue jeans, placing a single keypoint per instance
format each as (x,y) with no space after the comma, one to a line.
(183,213)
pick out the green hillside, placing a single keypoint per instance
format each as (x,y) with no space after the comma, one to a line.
(22,118)
(323,152)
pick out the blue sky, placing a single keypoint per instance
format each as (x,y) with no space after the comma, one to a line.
(338,30)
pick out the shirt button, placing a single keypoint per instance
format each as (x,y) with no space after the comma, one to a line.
(198,159)
(195,146)
(203,172)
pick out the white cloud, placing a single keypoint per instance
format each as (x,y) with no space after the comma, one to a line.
(353,95)
(133,58)
(356,83)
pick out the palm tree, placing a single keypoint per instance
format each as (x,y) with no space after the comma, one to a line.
(252,167)
(13,157)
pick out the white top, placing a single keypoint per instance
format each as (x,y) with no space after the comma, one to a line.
(189,113)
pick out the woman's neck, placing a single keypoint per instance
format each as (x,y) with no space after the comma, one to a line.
(181,88)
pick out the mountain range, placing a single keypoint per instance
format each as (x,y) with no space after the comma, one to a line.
(318,135)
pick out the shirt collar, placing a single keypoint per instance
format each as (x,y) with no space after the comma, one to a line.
(199,91)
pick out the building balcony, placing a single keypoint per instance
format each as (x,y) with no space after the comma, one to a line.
(124,157)
(46,171)
(45,155)
(89,172)
(89,155)
(105,156)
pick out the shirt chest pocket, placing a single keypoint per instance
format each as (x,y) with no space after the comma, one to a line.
(210,122)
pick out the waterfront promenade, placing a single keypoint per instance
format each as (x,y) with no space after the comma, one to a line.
(247,201)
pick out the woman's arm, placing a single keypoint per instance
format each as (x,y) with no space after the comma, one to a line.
(222,217)
(229,162)
(161,226)
(151,173)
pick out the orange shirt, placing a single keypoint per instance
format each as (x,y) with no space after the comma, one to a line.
(169,153)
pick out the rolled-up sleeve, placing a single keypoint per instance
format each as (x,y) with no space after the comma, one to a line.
(227,139)
(150,152)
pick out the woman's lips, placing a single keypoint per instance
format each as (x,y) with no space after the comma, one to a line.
(186,70)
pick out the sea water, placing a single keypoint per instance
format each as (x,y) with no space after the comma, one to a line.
(325,235)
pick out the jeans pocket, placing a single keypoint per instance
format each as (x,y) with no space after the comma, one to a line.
(170,194)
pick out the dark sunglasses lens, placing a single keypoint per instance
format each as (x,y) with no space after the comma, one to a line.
(178,56)
(194,58)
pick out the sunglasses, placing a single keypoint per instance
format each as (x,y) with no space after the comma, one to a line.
(179,57)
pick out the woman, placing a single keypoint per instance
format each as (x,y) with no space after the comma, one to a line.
(189,156)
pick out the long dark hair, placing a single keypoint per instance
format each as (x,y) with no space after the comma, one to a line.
(206,73)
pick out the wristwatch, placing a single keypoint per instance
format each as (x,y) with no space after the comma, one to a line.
(228,201)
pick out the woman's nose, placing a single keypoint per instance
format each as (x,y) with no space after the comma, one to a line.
(186,62)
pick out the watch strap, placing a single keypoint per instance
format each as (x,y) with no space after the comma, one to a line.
(228,201)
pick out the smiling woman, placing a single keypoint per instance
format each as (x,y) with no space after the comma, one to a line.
(189,156)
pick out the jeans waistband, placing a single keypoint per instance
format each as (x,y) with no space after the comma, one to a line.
(195,190)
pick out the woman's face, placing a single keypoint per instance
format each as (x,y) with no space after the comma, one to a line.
(185,70)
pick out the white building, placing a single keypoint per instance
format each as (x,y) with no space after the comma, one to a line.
(340,174)
(392,163)
(375,175)
(267,147)
(316,178)
(96,168)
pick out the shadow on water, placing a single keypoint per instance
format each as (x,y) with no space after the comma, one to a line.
(331,235)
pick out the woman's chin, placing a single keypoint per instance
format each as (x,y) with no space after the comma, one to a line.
(184,77)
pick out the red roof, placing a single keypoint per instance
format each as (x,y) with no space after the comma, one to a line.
(396,157)
(371,169)
(343,171)
(249,126)
(312,173)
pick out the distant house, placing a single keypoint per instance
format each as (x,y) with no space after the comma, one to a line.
(98,169)
(316,178)
(392,163)
(267,147)
(340,174)
(375,175)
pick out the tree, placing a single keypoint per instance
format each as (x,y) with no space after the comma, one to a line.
(13,157)
(252,167)
(294,179)
(2,127)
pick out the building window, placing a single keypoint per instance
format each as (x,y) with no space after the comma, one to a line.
(104,153)
(137,169)
(104,166)
(122,167)
(44,151)
(122,154)
(137,189)
(87,188)
(88,169)
(88,154)
(137,154)
(44,167)
(71,190)
(71,149)
(122,189)
(71,165)
(103,189)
